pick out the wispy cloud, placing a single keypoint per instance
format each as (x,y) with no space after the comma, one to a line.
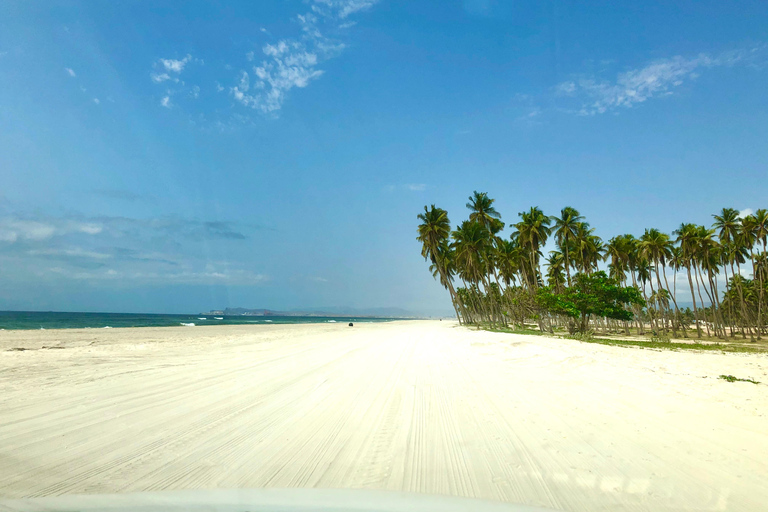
(656,79)
(175,66)
(170,70)
(96,100)
(745,212)
(76,252)
(411,187)
(343,8)
(122,249)
(292,63)
(13,229)
(70,72)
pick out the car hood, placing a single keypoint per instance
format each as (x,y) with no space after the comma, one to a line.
(263,500)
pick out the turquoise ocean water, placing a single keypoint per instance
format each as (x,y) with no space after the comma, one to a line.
(59,320)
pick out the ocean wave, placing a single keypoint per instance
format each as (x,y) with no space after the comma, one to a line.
(202,318)
(187,325)
(218,318)
(331,321)
(107,327)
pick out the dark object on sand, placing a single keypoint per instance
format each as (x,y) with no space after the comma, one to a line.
(351,324)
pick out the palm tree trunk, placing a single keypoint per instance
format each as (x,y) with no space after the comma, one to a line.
(674,301)
(719,311)
(693,296)
(640,323)
(698,275)
(743,307)
(730,306)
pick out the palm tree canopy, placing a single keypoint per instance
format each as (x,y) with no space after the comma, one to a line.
(534,228)
(433,231)
(566,225)
(655,245)
(728,224)
(482,209)
(471,241)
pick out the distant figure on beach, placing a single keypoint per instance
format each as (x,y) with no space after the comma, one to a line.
(351,324)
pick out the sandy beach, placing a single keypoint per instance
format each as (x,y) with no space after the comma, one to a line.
(420,406)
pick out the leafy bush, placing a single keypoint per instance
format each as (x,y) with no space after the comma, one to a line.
(591,294)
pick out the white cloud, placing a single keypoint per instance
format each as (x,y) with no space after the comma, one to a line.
(71,72)
(160,77)
(232,277)
(746,211)
(293,62)
(195,92)
(289,64)
(13,229)
(657,79)
(175,66)
(166,102)
(416,187)
(96,101)
(343,8)
(76,252)
(90,229)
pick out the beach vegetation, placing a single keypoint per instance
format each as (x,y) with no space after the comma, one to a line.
(504,280)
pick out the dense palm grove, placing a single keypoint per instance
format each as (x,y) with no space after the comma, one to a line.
(501,281)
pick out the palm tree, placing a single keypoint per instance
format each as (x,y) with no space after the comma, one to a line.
(565,234)
(482,209)
(555,264)
(533,232)
(433,235)
(500,277)
(657,248)
(749,226)
(708,258)
(686,237)
(761,235)
(471,241)
(728,226)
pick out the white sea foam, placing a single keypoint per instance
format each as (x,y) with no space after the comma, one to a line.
(202,318)
(218,318)
(187,325)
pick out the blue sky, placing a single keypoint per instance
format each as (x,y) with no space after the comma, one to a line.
(182,156)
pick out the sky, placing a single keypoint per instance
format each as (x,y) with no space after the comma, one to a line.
(177,157)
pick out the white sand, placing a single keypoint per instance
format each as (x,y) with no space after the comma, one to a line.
(414,406)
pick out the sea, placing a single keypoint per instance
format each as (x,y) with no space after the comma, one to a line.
(60,320)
